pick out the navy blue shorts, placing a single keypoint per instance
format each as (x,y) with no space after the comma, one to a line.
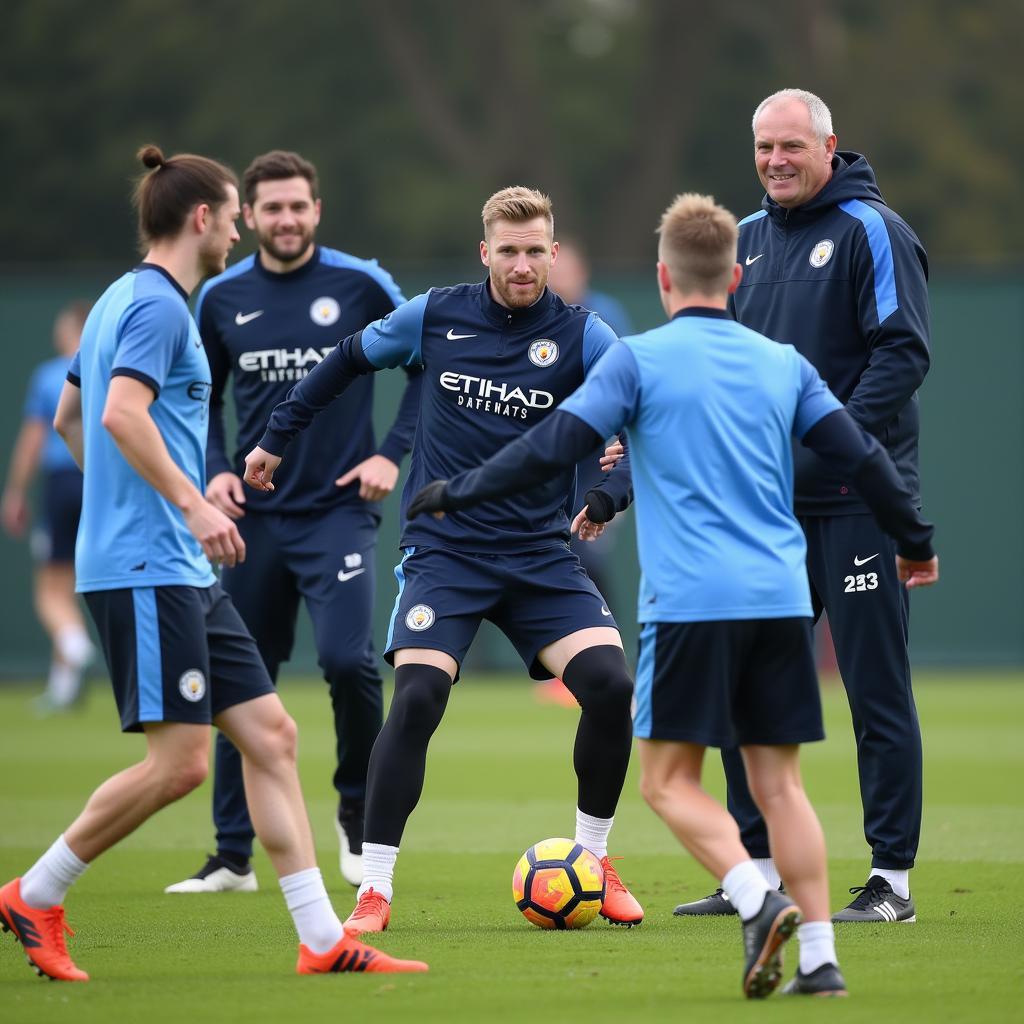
(534,598)
(53,538)
(176,654)
(728,684)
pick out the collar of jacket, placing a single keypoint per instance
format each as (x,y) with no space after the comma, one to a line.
(502,315)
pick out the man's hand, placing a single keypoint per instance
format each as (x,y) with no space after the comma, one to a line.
(219,537)
(14,512)
(586,530)
(917,574)
(259,469)
(377,477)
(612,456)
(225,492)
(430,499)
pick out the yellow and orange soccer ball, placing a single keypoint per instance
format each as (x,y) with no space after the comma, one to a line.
(558,884)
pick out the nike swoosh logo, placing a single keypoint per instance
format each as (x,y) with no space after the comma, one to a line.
(343,576)
(604,610)
(244,318)
(452,336)
(753,259)
(864,561)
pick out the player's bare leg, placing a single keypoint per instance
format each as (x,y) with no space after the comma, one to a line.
(593,667)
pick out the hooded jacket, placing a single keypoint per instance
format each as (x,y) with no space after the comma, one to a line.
(844,280)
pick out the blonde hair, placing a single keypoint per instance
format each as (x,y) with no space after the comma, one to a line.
(698,244)
(517,204)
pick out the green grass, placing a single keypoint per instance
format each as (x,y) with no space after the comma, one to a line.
(499,778)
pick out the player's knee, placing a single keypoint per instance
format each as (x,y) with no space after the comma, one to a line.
(773,791)
(652,789)
(421,695)
(599,679)
(180,775)
(280,738)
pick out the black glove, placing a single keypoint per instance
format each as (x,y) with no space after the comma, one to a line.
(432,498)
(600,506)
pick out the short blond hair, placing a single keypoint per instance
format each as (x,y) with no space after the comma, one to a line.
(698,244)
(517,203)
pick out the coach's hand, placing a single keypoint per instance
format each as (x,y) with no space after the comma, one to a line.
(221,541)
(612,456)
(259,469)
(225,491)
(377,477)
(432,499)
(917,574)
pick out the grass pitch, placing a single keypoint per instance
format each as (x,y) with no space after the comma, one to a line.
(499,778)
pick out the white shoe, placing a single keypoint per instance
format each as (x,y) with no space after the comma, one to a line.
(216,875)
(351,864)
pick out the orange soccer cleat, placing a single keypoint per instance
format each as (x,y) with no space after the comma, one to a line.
(620,906)
(41,933)
(372,914)
(349,954)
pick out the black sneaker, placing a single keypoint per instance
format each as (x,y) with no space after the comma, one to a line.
(349,826)
(715,905)
(825,980)
(218,875)
(876,902)
(763,938)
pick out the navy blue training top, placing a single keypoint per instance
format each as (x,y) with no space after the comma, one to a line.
(268,330)
(490,373)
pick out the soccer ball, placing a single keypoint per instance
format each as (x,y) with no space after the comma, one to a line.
(558,884)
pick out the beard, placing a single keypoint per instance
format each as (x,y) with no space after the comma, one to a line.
(519,298)
(286,248)
(214,259)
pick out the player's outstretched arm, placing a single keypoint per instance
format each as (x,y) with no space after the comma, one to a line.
(838,439)
(556,443)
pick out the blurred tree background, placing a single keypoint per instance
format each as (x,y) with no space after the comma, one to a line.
(416,110)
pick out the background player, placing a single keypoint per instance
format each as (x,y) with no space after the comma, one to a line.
(832,270)
(497,357)
(725,653)
(266,322)
(134,413)
(38,447)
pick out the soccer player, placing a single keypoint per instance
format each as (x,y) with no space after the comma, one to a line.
(832,270)
(266,322)
(498,356)
(134,414)
(38,447)
(725,649)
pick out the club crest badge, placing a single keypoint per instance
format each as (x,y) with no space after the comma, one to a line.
(821,253)
(420,617)
(192,685)
(325,311)
(543,352)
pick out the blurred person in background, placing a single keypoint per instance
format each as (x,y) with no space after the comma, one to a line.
(39,449)
(265,323)
(570,279)
(833,271)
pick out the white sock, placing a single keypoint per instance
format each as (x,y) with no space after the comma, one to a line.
(63,683)
(46,883)
(899,880)
(316,922)
(379,869)
(817,945)
(746,888)
(767,868)
(75,646)
(592,833)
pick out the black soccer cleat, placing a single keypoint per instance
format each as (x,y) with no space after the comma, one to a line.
(876,902)
(715,905)
(825,980)
(763,938)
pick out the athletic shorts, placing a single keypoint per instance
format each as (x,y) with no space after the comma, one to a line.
(728,683)
(534,598)
(176,654)
(53,538)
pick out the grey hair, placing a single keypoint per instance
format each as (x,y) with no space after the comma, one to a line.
(821,116)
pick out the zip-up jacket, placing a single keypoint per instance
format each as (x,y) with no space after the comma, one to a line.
(844,280)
